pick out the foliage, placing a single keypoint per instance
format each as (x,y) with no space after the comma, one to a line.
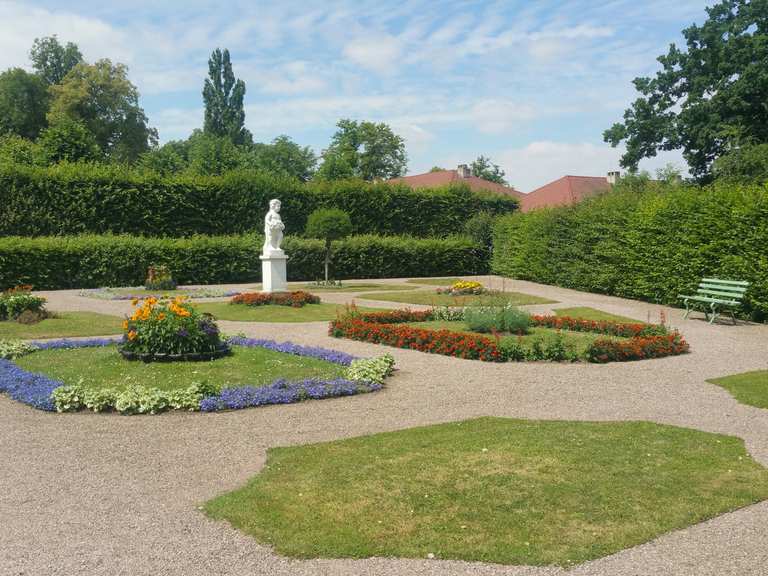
(328,224)
(107,103)
(169,327)
(23,103)
(606,327)
(17,300)
(647,245)
(159,278)
(67,140)
(170,158)
(480,228)
(72,199)
(223,98)
(487,170)
(706,99)
(364,150)
(93,261)
(295,299)
(606,350)
(51,60)
(283,156)
(17,150)
(371,370)
(211,155)
(497,319)
(462,287)
(10,349)
(747,164)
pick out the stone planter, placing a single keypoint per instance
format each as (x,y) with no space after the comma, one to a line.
(220,352)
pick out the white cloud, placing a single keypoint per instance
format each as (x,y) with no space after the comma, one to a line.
(377,52)
(497,116)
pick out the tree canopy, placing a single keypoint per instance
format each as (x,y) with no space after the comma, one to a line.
(51,60)
(366,150)
(223,96)
(709,97)
(484,168)
(23,103)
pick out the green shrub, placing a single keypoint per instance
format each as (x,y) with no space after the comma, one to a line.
(97,199)
(95,261)
(371,370)
(497,319)
(649,245)
(18,300)
(10,349)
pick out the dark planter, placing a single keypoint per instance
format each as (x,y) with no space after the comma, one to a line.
(220,352)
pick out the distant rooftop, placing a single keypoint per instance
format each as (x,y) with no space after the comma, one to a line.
(461,175)
(567,190)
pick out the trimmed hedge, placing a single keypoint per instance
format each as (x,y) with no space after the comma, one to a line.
(650,245)
(94,199)
(50,263)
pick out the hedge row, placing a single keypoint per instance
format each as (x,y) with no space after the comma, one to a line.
(93,199)
(50,263)
(650,245)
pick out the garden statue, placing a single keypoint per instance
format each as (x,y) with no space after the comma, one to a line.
(273,259)
(273,229)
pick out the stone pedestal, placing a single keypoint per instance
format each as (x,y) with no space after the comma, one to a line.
(273,274)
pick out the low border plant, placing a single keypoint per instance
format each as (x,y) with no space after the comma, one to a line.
(295,299)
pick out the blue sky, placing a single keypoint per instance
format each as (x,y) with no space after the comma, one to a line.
(532,84)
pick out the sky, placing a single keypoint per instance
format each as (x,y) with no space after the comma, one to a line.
(530,83)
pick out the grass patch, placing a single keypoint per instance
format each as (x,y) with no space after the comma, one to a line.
(64,325)
(273,313)
(749,388)
(105,368)
(429,298)
(433,281)
(493,490)
(348,287)
(594,314)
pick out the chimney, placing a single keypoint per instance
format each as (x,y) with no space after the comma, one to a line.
(613,177)
(463,171)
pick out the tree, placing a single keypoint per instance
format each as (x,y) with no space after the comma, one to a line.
(107,103)
(23,103)
(748,164)
(51,60)
(328,224)
(706,99)
(364,150)
(223,98)
(437,169)
(282,156)
(487,170)
(67,139)
(211,155)
(17,150)
(170,158)
(480,229)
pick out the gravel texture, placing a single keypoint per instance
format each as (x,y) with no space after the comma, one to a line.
(105,494)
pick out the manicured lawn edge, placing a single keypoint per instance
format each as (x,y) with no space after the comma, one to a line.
(645,340)
(37,390)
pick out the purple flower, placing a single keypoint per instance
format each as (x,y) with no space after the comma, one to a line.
(183,332)
(67,344)
(27,387)
(290,348)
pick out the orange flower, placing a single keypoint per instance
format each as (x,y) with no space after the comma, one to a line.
(135,301)
(161,316)
(125,324)
(132,335)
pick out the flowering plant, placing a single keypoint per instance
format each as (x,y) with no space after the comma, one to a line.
(16,301)
(463,287)
(296,299)
(159,278)
(169,327)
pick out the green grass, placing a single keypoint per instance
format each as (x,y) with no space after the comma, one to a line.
(493,490)
(272,313)
(105,368)
(64,325)
(576,341)
(749,388)
(594,314)
(429,298)
(348,287)
(434,281)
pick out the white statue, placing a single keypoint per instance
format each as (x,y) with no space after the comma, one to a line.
(273,229)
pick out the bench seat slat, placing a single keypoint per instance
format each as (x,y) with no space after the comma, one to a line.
(707,299)
(728,295)
(731,282)
(732,289)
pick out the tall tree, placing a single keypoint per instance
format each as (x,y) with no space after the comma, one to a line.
(282,156)
(107,103)
(23,103)
(706,99)
(487,170)
(364,150)
(51,60)
(223,98)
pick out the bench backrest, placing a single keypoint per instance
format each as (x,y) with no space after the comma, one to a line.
(725,289)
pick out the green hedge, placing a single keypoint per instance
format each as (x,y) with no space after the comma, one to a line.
(93,199)
(93,261)
(650,245)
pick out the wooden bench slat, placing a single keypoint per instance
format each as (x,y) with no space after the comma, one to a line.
(733,282)
(736,289)
(701,298)
(719,293)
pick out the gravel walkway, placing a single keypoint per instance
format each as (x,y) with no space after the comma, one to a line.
(111,495)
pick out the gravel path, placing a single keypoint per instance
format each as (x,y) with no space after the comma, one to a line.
(111,495)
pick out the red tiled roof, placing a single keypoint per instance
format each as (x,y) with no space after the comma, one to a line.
(446,177)
(566,190)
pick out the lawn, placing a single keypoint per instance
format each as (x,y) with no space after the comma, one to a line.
(493,490)
(65,324)
(274,313)
(429,298)
(434,281)
(350,287)
(594,314)
(749,388)
(576,341)
(105,368)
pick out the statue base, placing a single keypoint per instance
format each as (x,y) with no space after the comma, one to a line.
(273,272)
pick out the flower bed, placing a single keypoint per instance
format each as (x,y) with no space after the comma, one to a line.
(463,288)
(296,299)
(44,393)
(643,340)
(20,305)
(126,294)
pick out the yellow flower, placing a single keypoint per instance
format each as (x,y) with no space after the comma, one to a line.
(135,301)
(161,316)
(132,335)
(125,324)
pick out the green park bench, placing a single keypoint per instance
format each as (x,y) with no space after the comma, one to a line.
(716,294)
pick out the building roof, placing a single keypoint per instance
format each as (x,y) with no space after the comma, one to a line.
(566,190)
(446,177)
